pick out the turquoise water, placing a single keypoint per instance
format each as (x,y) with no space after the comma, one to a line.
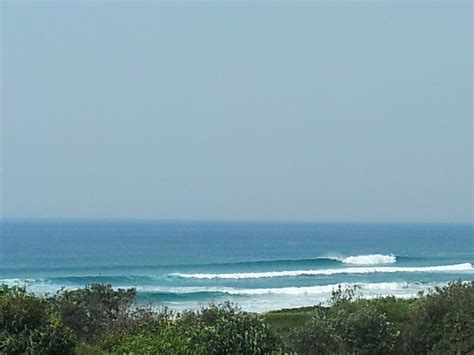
(260,266)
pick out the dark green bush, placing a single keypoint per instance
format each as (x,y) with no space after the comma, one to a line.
(29,325)
(443,321)
(216,329)
(166,340)
(438,322)
(358,329)
(364,331)
(94,310)
(225,329)
(318,336)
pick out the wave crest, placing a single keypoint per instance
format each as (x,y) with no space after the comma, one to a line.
(370,259)
(327,272)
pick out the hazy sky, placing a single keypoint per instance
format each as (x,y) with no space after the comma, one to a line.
(318,111)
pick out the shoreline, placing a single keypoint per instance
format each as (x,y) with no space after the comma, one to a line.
(296,297)
(99,319)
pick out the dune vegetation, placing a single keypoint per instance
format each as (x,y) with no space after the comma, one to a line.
(98,319)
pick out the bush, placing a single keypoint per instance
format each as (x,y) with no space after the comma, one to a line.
(355,330)
(225,329)
(318,336)
(443,320)
(94,310)
(438,322)
(364,331)
(216,329)
(29,325)
(166,340)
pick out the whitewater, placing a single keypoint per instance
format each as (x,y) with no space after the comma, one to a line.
(350,270)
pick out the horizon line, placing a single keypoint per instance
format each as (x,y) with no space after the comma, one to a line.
(228,220)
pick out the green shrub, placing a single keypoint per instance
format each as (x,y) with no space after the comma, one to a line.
(443,321)
(318,336)
(167,340)
(440,321)
(225,329)
(28,324)
(216,329)
(354,330)
(94,310)
(364,331)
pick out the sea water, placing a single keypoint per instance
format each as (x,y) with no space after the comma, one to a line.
(259,266)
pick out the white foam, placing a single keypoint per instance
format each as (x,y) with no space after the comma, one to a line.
(370,259)
(37,286)
(348,270)
(244,291)
(318,290)
(13,282)
(266,299)
(296,291)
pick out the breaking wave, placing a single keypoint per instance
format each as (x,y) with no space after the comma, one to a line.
(370,259)
(327,272)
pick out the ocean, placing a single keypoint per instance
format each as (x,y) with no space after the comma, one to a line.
(260,266)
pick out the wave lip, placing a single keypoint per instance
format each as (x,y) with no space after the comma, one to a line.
(370,259)
(328,272)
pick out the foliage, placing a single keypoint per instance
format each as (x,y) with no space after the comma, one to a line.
(225,329)
(438,322)
(318,336)
(284,322)
(343,296)
(30,325)
(443,321)
(95,309)
(216,329)
(348,327)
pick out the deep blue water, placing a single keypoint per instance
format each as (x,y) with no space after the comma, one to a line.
(260,266)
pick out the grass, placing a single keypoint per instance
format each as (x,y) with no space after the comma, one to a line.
(289,318)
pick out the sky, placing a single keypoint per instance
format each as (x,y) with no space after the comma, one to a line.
(304,111)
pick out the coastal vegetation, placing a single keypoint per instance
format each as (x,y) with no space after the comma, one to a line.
(98,319)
